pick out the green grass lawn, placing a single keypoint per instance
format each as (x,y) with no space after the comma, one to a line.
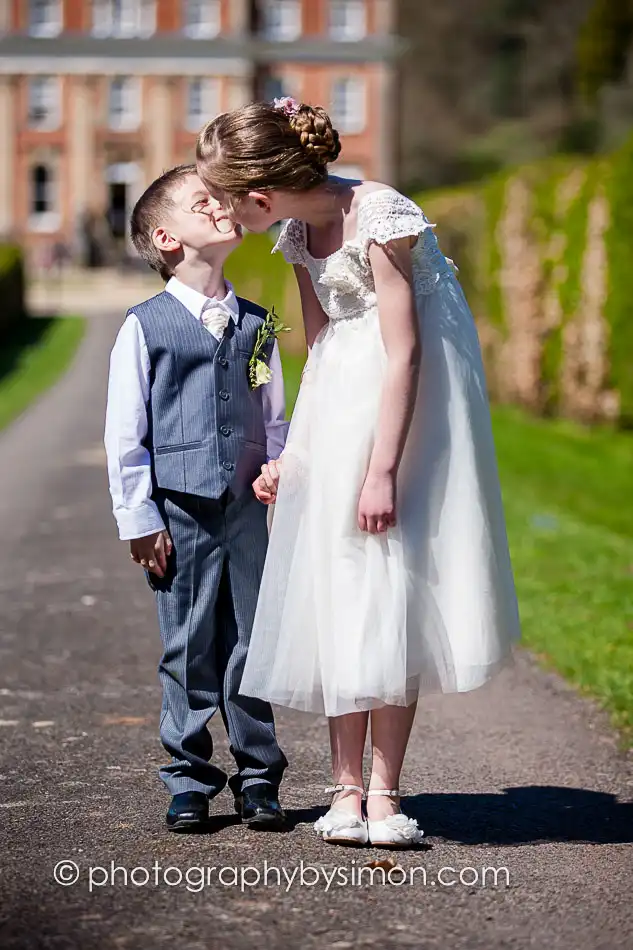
(567,495)
(34,357)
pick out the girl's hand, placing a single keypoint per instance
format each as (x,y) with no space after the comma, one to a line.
(377,505)
(266,485)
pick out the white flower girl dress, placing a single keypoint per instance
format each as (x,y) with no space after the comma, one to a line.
(349,621)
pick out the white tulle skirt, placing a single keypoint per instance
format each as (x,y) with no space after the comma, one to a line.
(349,621)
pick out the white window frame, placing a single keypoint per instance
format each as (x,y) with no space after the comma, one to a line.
(207,23)
(208,91)
(48,221)
(121,19)
(44,92)
(348,109)
(54,18)
(348,20)
(129,117)
(282,20)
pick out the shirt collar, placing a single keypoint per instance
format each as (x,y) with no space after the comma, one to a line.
(196,303)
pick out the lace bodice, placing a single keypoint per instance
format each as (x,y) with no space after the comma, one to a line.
(344,281)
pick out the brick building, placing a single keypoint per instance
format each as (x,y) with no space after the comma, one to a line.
(98,96)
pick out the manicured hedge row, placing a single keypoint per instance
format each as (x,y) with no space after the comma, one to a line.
(619,304)
(11,286)
(546,260)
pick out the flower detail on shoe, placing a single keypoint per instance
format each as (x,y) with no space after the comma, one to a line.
(337,820)
(407,827)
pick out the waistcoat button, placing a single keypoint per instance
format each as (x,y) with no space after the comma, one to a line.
(223,362)
(228,466)
(226,430)
(224,395)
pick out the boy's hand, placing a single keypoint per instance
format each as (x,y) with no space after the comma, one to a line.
(152,552)
(265,486)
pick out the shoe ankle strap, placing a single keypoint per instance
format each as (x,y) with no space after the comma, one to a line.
(392,792)
(345,788)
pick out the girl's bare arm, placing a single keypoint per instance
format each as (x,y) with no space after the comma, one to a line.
(314,318)
(392,270)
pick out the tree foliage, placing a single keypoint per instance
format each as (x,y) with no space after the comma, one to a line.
(604,43)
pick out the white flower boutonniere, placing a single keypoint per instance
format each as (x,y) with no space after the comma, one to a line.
(259,372)
(263,373)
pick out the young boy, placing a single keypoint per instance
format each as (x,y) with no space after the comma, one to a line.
(185,438)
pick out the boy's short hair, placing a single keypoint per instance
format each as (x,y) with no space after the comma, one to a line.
(149,213)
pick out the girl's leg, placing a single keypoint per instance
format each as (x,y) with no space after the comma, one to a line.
(390,730)
(347,742)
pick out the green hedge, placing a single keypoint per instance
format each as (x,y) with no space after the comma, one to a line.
(619,308)
(12,306)
(468,230)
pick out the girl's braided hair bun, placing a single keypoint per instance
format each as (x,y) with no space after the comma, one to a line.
(267,145)
(319,139)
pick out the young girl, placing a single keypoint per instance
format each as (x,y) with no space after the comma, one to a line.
(388,571)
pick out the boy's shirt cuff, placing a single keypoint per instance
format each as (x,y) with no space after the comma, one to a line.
(138,522)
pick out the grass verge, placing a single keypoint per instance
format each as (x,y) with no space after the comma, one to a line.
(33,357)
(566,493)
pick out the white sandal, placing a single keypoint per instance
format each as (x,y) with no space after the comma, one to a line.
(395,831)
(339,826)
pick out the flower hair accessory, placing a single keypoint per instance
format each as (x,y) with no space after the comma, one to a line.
(287,105)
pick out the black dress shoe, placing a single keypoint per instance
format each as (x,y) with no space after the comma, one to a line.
(258,807)
(188,811)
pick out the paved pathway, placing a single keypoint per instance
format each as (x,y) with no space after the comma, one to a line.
(522,775)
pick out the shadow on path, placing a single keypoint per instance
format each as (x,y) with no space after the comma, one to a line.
(526,815)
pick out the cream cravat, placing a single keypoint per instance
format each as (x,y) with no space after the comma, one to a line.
(215,316)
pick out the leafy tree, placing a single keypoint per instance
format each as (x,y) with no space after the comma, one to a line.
(604,44)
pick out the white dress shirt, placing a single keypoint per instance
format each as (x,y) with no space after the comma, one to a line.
(129,462)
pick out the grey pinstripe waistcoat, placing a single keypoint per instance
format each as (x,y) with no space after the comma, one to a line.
(206,426)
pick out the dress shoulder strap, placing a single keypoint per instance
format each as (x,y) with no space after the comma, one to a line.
(292,242)
(386,215)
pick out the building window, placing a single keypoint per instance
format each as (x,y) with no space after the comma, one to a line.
(348,107)
(124,111)
(43,214)
(274,88)
(45,17)
(123,18)
(41,189)
(347,19)
(203,102)
(281,19)
(202,19)
(44,102)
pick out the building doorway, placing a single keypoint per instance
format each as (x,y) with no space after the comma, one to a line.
(123,183)
(117,208)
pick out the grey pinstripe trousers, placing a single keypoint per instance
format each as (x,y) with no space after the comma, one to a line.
(206,605)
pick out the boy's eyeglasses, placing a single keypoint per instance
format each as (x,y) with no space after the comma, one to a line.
(201,206)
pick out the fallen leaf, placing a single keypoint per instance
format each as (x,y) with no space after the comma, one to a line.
(387,864)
